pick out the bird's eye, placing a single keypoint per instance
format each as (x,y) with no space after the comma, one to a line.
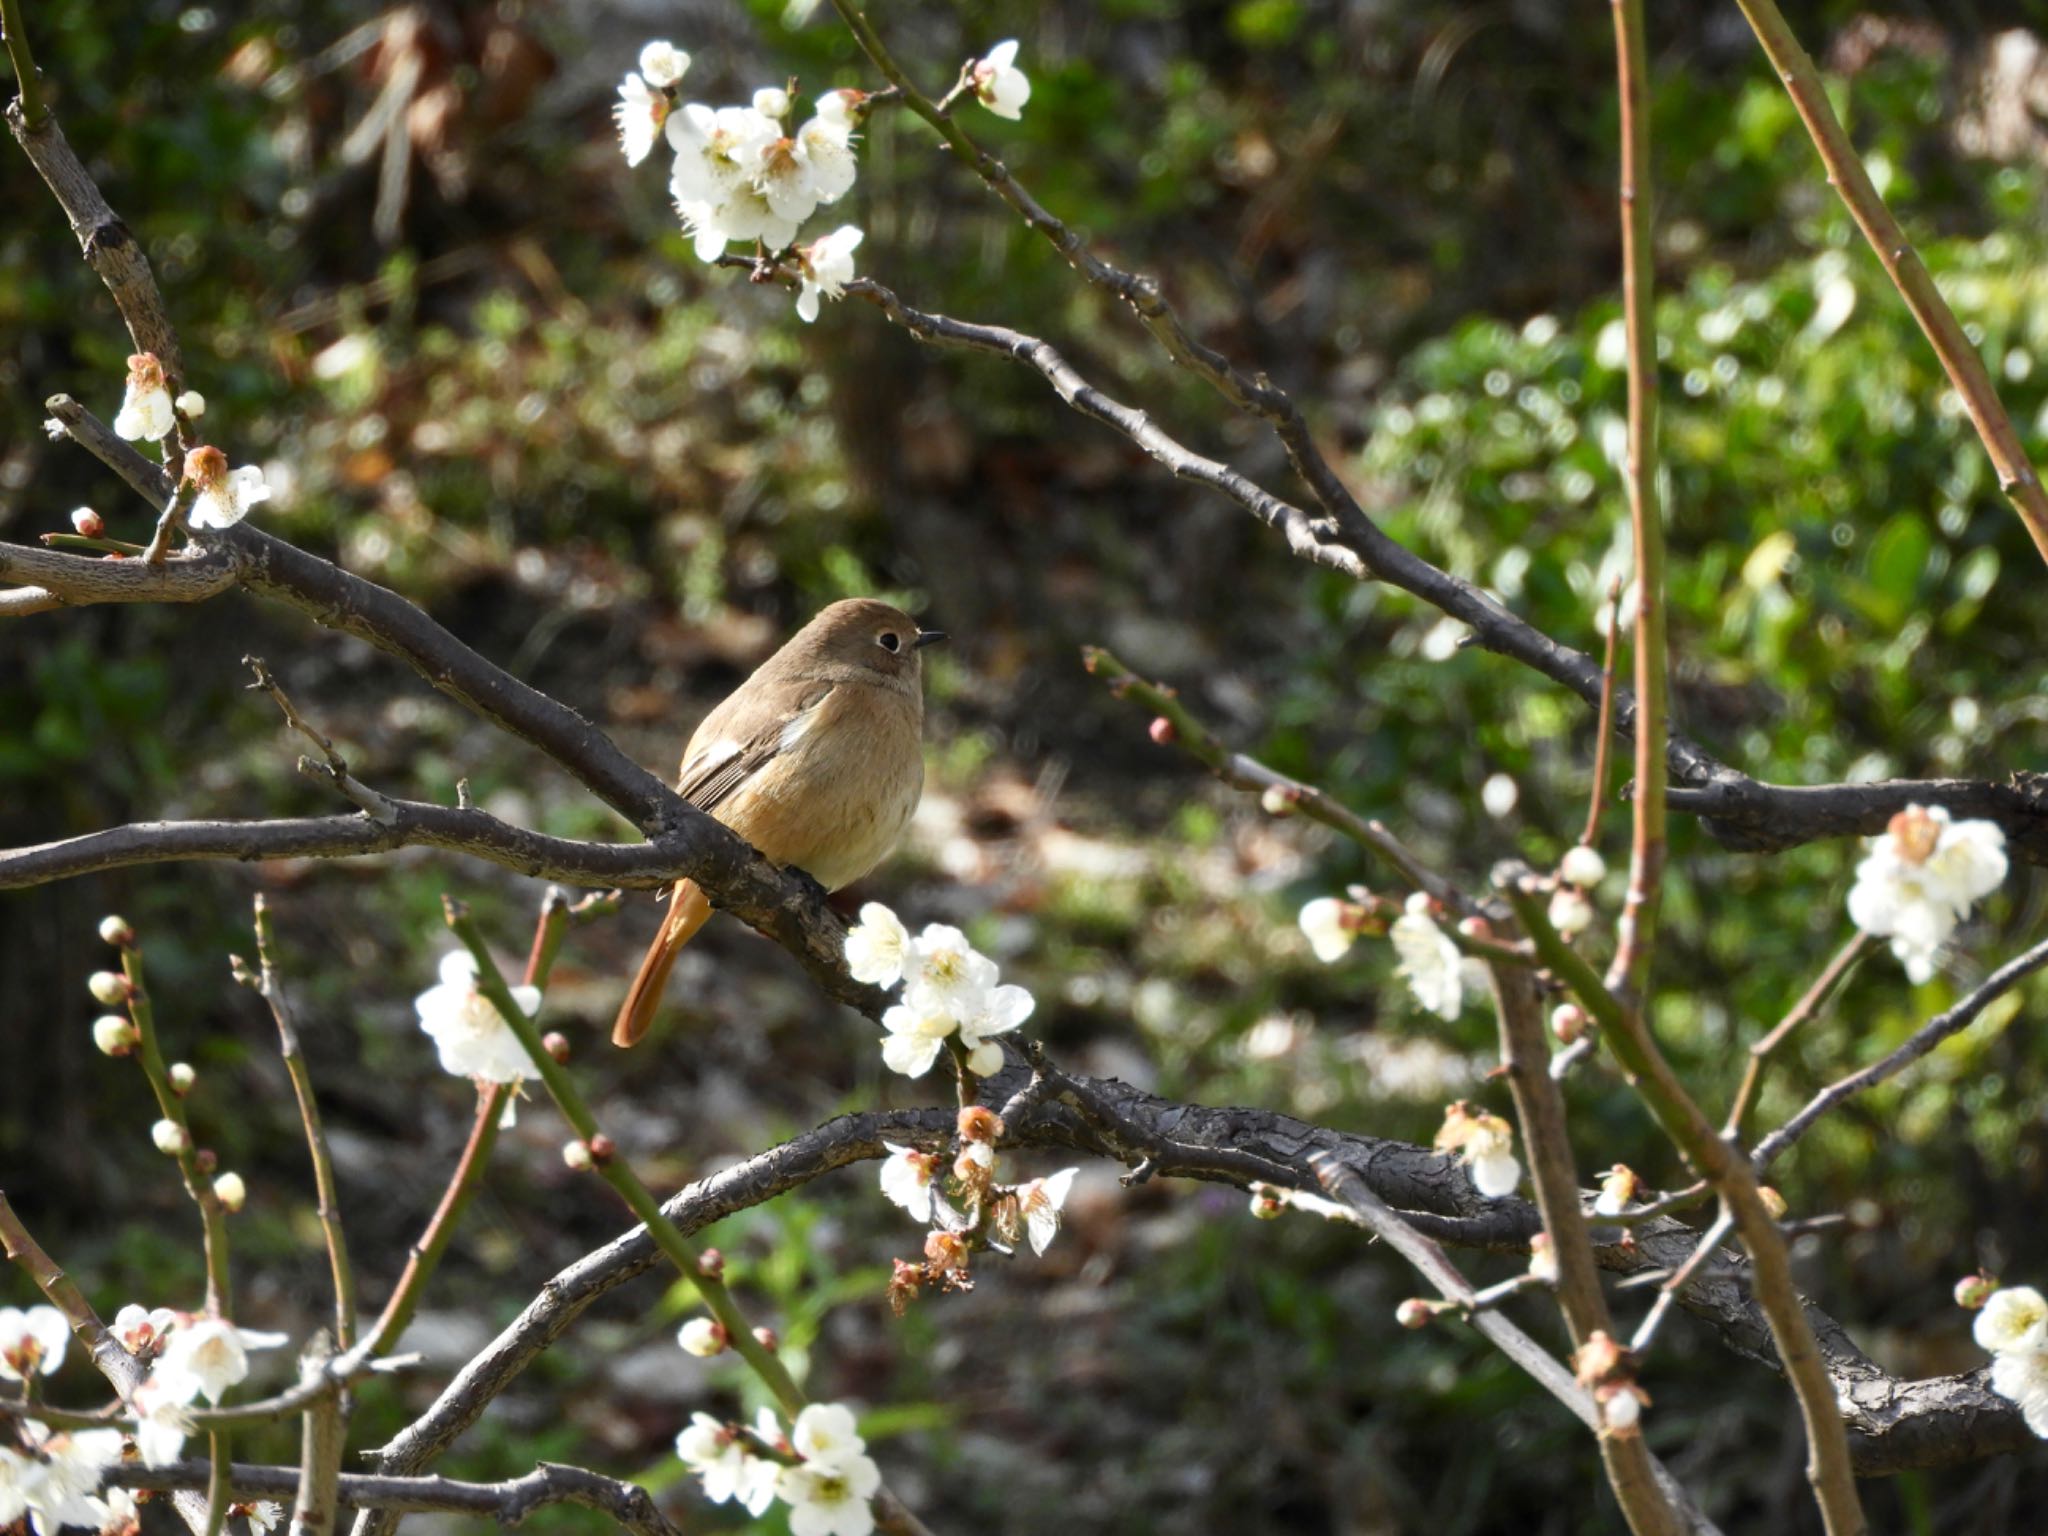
(889,641)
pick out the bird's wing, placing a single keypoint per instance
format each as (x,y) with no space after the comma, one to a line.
(715,770)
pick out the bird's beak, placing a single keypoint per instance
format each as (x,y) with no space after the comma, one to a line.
(927,637)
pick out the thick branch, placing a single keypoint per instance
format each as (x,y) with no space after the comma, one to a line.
(508,1502)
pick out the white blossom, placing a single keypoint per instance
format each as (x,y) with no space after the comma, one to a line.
(639,114)
(161,1430)
(826,1433)
(1327,922)
(206,1357)
(264,1514)
(472,1038)
(1001,1010)
(772,101)
(142,1330)
(825,267)
(826,140)
(1583,867)
(1621,1410)
(1486,1145)
(830,1499)
(717,152)
(914,1040)
(1429,960)
(1041,1202)
(907,1180)
(56,1482)
(224,496)
(146,413)
(663,63)
(875,946)
(120,1515)
(728,1470)
(945,975)
(171,1138)
(2014,1320)
(1921,878)
(192,403)
(2021,1376)
(998,84)
(32,1342)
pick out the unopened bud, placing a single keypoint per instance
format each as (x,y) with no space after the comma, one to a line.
(1772,1201)
(230,1191)
(88,523)
(1266,1205)
(766,1337)
(206,1160)
(109,989)
(192,403)
(1161,730)
(1543,1258)
(979,1124)
(1621,1409)
(711,1264)
(1972,1291)
(1279,800)
(1475,927)
(182,1077)
(702,1337)
(577,1156)
(556,1044)
(114,1035)
(1568,1022)
(602,1149)
(114,929)
(1583,867)
(1413,1313)
(171,1138)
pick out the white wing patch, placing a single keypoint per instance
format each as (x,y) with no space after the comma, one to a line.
(718,752)
(797,727)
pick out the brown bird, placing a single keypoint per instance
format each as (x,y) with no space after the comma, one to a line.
(816,760)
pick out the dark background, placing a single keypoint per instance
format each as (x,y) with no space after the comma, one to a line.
(504,387)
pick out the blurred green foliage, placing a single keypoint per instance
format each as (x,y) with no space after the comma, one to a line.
(624,476)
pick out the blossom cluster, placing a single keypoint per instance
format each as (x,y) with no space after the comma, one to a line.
(220,497)
(1921,878)
(752,174)
(2013,1326)
(949,988)
(1428,959)
(54,1478)
(820,1468)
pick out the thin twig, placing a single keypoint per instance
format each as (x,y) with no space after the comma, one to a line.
(171,1106)
(1829,1468)
(377,807)
(1637,930)
(1923,1040)
(1602,740)
(1539,1106)
(1902,264)
(270,985)
(123,1371)
(1809,1004)
(26,81)
(1710,1240)
(1344,1185)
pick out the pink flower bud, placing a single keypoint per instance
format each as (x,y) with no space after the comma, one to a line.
(1568,1022)
(87,523)
(1161,730)
(1413,1313)
(711,1264)
(1972,1291)
(602,1149)
(556,1044)
(766,1338)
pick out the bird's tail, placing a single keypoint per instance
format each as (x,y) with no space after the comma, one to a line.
(688,909)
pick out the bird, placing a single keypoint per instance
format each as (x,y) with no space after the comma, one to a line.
(817,760)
